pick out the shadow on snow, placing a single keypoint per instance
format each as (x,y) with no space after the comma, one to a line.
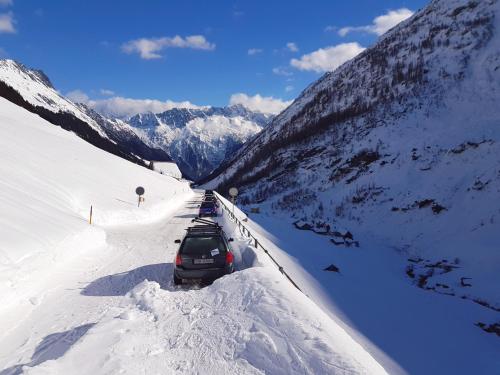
(120,284)
(51,347)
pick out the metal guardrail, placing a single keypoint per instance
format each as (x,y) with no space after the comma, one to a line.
(249,234)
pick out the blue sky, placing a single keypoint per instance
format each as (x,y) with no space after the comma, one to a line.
(129,49)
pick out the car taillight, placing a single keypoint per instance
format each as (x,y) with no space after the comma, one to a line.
(229,257)
(178,260)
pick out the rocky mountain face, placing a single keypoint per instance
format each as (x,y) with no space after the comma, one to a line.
(32,90)
(401,145)
(199,140)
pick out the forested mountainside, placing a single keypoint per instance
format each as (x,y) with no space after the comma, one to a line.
(401,142)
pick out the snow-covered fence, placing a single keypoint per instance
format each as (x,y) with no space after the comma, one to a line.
(249,234)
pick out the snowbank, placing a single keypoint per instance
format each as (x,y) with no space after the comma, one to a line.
(250,322)
(50,178)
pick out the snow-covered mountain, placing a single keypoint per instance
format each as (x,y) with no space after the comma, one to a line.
(402,143)
(199,139)
(32,90)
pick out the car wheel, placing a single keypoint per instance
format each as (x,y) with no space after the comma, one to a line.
(177,281)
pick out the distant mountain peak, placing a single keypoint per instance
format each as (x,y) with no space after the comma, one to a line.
(199,139)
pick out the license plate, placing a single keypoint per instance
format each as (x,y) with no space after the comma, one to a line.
(203,261)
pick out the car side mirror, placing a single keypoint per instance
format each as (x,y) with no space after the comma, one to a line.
(230,240)
(177,241)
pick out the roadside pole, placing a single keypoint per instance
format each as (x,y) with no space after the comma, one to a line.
(233,192)
(140,192)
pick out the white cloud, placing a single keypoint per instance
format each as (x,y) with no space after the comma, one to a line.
(149,48)
(6,3)
(259,103)
(327,59)
(107,92)
(292,47)
(121,107)
(254,51)
(77,96)
(280,71)
(381,23)
(118,106)
(7,22)
(289,88)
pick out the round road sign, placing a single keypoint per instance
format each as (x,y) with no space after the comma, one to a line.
(233,192)
(139,190)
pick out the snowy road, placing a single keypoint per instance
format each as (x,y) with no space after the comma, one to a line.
(115,310)
(81,293)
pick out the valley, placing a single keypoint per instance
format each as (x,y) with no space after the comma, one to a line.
(334,210)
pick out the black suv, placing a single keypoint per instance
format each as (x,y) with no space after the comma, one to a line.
(204,254)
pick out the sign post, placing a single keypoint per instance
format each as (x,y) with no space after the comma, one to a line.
(233,192)
(140,192)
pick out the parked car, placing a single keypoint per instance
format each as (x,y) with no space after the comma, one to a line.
(208,208)
(204,254)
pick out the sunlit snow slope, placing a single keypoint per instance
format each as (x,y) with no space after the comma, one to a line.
(50,178)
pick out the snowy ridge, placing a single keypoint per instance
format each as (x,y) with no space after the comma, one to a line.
(36,89)
(400,144)
(32,90)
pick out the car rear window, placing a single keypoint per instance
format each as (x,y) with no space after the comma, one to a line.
(207,205)
(202,245)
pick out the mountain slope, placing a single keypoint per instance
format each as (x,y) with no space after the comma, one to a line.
(199,139)
(50,179)
(401,142)
(32,90)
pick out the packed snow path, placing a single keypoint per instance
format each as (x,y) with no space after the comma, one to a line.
(115,310)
